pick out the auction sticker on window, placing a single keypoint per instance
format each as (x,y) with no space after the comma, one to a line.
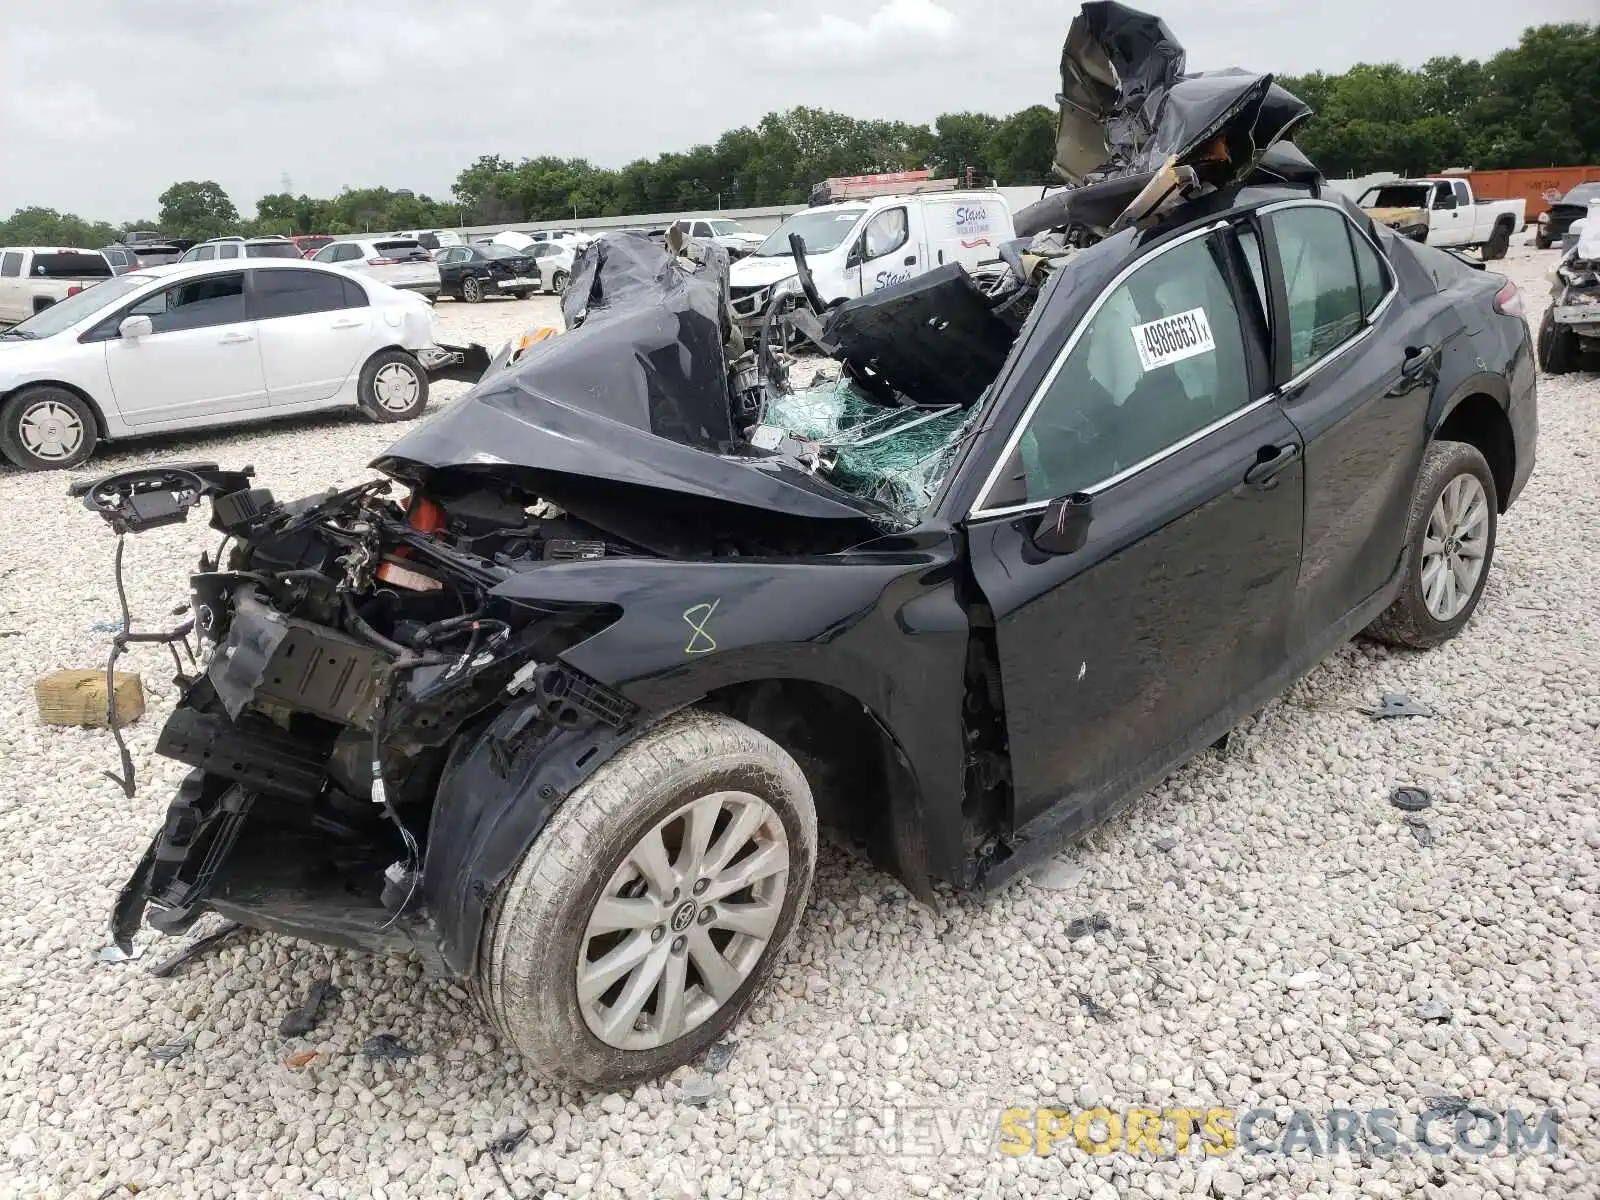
(1173,339)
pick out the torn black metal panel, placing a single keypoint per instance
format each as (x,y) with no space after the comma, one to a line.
(932,340)
(1116,60)
(1127,106)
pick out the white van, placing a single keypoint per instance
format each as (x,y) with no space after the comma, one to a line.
(859,246)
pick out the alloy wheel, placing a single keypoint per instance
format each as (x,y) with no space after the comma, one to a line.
(396,386)
(49,431)
(1454,547)
(682,923)
(471,292)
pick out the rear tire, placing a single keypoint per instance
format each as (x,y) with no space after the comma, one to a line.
(1499,240)
(1558,347)
(1540,242)
(47,429)
(545,927)
(393,387)
(471,290)
(1431,531)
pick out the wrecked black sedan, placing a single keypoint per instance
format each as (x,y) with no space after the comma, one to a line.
(559,702)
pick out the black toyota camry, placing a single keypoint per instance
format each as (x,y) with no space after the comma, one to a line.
(559,699)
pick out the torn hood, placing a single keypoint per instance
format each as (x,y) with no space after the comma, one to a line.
(635,392)
(1127,106)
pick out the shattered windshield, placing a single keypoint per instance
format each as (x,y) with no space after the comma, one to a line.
(823,230)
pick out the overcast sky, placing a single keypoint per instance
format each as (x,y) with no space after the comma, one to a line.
(103,103)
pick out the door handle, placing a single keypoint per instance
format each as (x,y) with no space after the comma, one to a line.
(1417,360)
(1269,461)
(233,339)
(911,260)
(347,323)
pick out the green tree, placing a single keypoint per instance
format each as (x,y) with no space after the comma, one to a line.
(1023,147)
(47,227)
(197,209)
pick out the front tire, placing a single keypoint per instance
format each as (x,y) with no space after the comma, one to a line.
(650,910)
(393,387)
(1450,547)
(559,283)
(47,429)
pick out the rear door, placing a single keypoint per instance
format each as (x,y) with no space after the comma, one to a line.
(315,329)
(12,309)
(204,358)
(1356,366)
(1171,620)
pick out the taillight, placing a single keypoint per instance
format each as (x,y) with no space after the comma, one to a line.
(73,291)
(383,262)
(1508,300)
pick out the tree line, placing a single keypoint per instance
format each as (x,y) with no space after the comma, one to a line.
(1534,104)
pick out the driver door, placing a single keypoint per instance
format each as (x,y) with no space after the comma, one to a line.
(1171,620)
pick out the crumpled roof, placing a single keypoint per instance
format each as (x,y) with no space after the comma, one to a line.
(1127,106)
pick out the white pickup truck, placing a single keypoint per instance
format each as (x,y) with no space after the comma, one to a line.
(35,277)
(1444,212)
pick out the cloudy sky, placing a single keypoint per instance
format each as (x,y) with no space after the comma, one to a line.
(103,103)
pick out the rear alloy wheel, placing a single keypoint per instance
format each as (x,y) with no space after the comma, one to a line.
(47,429)
(559,283)
(393,387)
(471,290)
(652,906)
(1450,544)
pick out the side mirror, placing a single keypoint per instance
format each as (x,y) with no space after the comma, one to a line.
(133,328)
(1064,526)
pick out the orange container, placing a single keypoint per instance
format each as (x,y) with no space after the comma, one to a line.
(1539,186)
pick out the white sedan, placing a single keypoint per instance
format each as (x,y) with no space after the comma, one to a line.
(196,344)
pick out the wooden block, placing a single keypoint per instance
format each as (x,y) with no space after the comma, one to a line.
(79,698)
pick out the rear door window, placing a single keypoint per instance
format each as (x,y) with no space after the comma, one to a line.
(1463,196)
(11,263)
(271,250)
(295,293)
(70,265)
(228,250)
(1319,279)
(195,304)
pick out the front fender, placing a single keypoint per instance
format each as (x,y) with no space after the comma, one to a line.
(885,628)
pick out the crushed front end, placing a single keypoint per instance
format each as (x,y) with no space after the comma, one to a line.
(347,643)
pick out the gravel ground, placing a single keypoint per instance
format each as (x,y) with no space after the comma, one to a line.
(1275,933)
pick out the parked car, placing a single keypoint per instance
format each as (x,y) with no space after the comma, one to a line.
(730,235)
(1569,335)
(1445,213)
(431,239)
(32,278)
(857,247)
(400,262)
(199,344)
(517,240)
(472,272)
(553,265)
(218,249)
(121,259)
(309,243)
(143,237)
(1558,218)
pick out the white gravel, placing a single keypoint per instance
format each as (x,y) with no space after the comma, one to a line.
(1277,952)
